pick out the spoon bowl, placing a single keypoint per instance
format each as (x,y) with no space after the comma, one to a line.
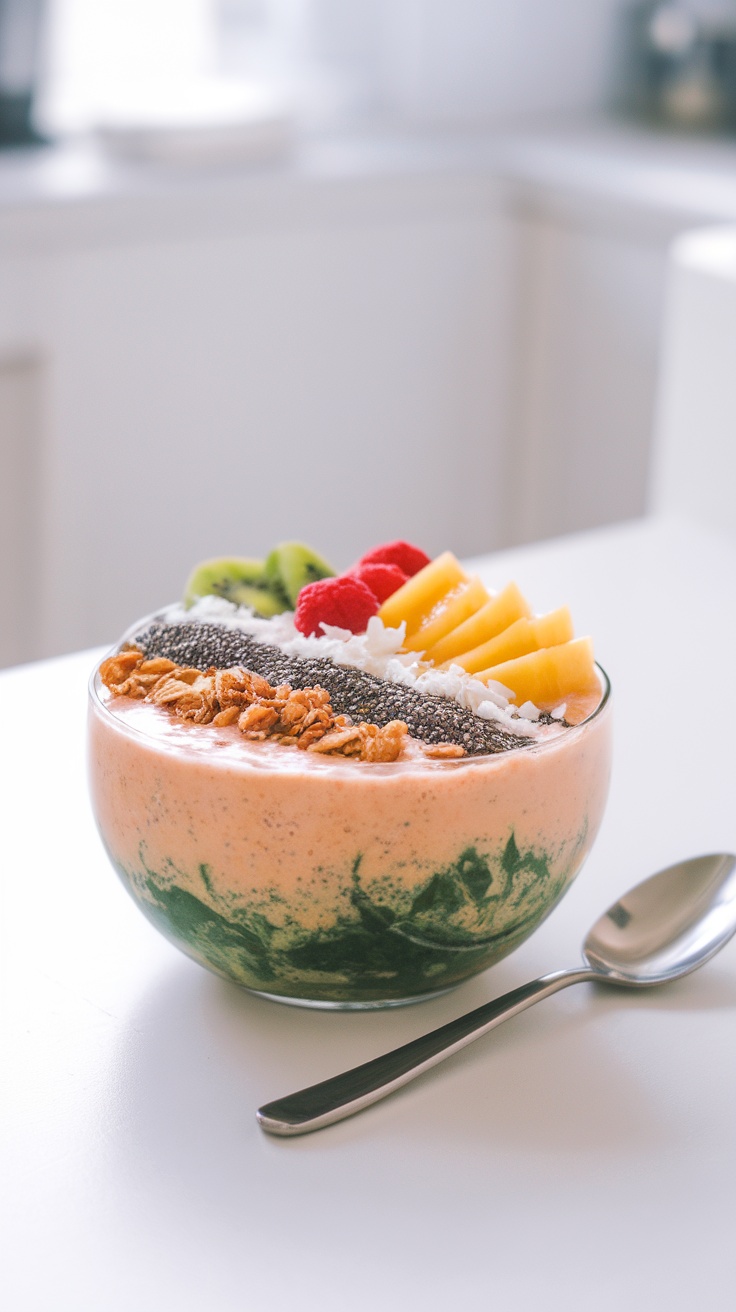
(663,928)
(668,925)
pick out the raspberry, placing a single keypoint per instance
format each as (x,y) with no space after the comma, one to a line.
(383,580)
(346,602)
(410,559)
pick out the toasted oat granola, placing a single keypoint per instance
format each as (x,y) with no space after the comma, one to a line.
(301,717)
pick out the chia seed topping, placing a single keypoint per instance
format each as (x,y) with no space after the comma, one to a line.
(429,718)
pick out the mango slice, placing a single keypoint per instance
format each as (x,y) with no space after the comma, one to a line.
(519,639)
(450,611)
(492,618)
(549,676)
(414,601)
(554,628)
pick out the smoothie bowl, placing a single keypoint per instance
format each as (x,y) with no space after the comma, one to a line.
(328,818)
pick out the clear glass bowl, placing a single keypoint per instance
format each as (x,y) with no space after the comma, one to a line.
(337,883)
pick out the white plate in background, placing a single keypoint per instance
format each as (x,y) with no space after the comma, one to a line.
(199,122)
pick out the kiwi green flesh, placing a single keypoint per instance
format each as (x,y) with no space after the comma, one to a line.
(260,600)
(292,565)
(241,580)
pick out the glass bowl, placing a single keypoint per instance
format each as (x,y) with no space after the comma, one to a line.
(332,882)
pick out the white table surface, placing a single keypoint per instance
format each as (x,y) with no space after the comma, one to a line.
(582,1155)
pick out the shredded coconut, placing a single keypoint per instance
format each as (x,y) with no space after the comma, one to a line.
(529,711)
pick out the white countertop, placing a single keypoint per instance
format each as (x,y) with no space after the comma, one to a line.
(582,1155)
(613,172)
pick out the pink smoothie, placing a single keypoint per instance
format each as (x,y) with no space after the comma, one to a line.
(336,880)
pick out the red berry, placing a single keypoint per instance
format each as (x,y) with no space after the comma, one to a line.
(346,602)
(410,559)
(383,580)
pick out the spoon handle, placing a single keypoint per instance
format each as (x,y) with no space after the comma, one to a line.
(343,1095)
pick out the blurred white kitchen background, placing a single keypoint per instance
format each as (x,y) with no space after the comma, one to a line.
(343,271)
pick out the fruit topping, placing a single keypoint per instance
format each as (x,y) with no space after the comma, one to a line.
(383,580)
(414,602)
(241,580)
(452,623)
(346,603)
(518,640)
(291,566)
(408,558)
(450,611)
(550,676)
(492,618)
(449,636)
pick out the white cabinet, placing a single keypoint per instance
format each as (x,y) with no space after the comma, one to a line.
(320,362)
(453,340)
(588,325)
(695,446)
(20,504)
(596,208)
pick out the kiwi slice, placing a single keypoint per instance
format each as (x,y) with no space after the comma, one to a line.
(291,565)
(237,579)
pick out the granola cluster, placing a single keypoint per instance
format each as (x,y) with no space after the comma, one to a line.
(301,717)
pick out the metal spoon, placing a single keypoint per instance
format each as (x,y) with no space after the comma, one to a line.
(665,927)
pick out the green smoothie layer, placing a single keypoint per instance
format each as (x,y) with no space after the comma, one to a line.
(382,941)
